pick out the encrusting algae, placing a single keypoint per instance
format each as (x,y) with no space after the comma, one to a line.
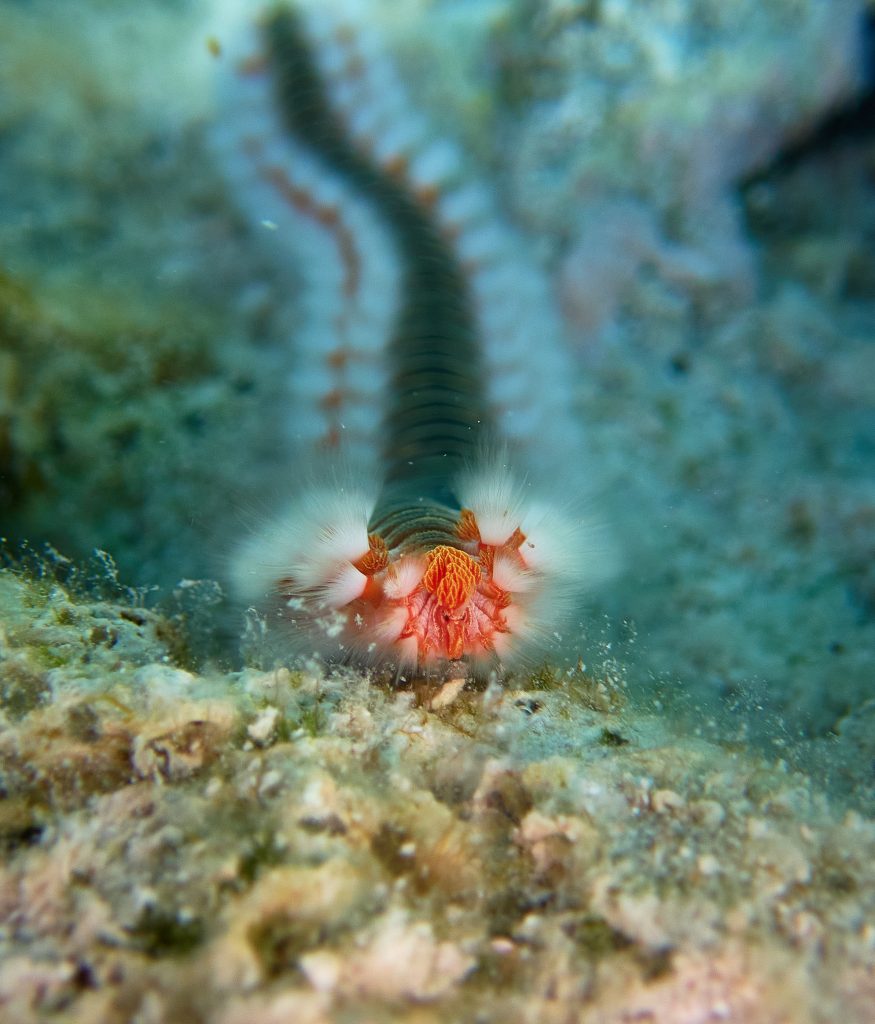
(261,846)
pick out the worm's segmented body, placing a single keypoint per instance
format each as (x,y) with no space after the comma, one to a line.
(426,337)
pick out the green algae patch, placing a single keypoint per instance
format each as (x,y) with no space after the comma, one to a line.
(162,933)
(91,380)
(20,824)
(599,690)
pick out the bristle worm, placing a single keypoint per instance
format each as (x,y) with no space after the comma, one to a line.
(430,355)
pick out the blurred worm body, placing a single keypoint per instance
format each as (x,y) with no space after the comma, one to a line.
(429,357)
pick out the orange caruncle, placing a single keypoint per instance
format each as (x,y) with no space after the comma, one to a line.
(451,575)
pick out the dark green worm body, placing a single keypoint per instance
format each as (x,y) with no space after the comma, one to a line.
(436,412)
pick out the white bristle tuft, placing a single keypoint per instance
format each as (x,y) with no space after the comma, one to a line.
(504,645)
(309,544)
(382,75)
(343,518)
(376,304)
(345,586)
(510,577)
(520,618)
(563,545)
(403,581)
(407,651)
(388,626)
(317,339)
(495,498)
(345,95)
(259,562)
(327,193)
(308,424)
(508,645)
(365,339)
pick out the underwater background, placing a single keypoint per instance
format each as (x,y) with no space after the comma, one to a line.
(673,821)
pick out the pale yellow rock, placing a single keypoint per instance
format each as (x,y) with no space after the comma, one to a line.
(447,694)
(403,960)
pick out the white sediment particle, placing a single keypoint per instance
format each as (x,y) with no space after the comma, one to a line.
(262,730)
(443,699)
(322,969)
(271,783)
(665,801)
(708,865)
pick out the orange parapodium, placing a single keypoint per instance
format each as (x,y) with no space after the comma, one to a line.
(375,559)
(467,528)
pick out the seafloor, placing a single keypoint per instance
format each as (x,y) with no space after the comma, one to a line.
(673,822)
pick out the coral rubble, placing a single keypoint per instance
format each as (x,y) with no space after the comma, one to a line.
(272,845)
